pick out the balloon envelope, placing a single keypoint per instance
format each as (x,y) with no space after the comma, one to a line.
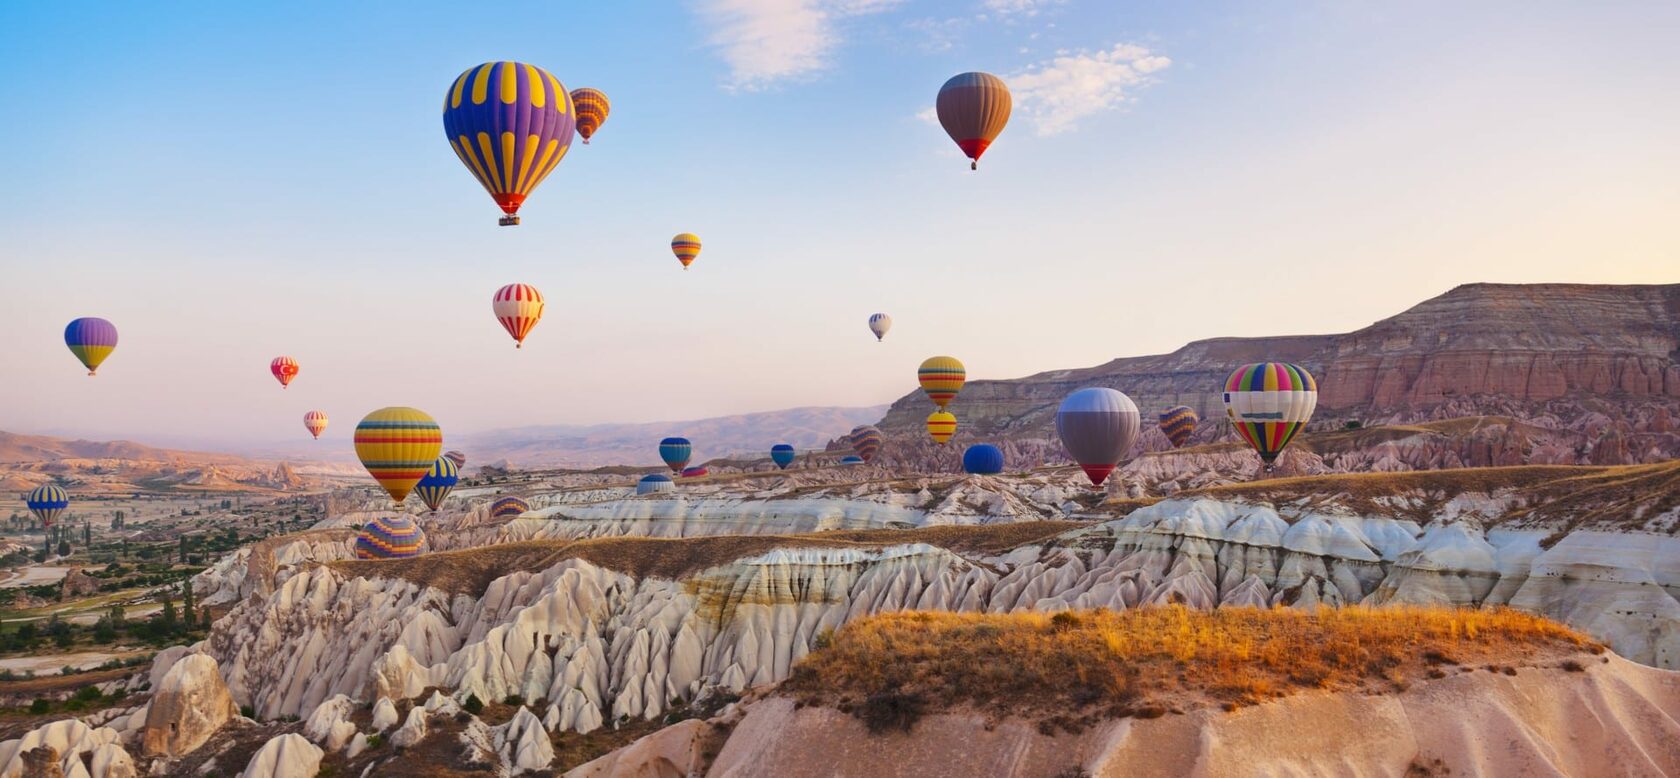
(390,537)
(518,307)
(398,445)
(866,441)
(983,459)
(686,246)
(879,324)
(47,502)
(782,454)
(284,370)
(435,487)
(973,108)
(695,472)
(510,124)
(457,457)
(941,378)
(941,425)
(1097,425)
(1179,423)
(592,109)
(91,339)
(851,459)
(675,452)
(315,422)
(508,507)
(1268,403)
(653,484)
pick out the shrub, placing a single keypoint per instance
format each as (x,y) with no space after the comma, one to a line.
(473,705)
(39,706)
(88,693)
(887,711)
(513,699)
(247,711)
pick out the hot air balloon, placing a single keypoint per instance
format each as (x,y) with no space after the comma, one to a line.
(782,454)
(695,472)
(510,124)
(879,324)
(675,452)
(942,378)
(284,369)
(438,483)
(973,107)
(686,246)
(592,109)
(390,537)
(1179,423)
(398,446)
(315,422)
(91,340)
(1268,402)
(866,441)
(653,484)
(1097,426)
(47,502)
(983,459)
(851,459)
(508,507)
(517,307)
(457,457)
(941,425)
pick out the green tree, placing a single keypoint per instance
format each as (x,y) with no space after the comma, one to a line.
(64,548)
(168,621)
(183,549)
(103,631)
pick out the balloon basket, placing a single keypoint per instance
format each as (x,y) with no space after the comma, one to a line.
(508,221)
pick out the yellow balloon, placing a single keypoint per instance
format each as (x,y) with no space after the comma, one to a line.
(398,446)
(941,425)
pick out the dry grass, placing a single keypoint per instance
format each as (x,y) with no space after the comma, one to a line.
(1076,666)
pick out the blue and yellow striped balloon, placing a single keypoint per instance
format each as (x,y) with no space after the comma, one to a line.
(390,537)
(438,483)
(47,502)
(508,508)
(398,446)
(1178,423)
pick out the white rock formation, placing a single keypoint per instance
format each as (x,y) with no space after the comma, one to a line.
(523,744)
(384,714)
(330,724)
(187,707)
(70,739)
(287,756)
(412,731)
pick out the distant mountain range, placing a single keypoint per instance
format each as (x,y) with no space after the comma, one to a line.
(15,448)
(595,445)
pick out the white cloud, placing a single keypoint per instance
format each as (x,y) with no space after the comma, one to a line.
(765,41)
(1055,95)
(1007,8)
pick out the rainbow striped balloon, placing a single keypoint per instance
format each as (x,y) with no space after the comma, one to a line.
(457,457)
(866,441)
(686,245)
(91,339)
(510,124)
(942,378)
(438,483)
(47,502)
(390,537)
(1268,403)
(508,507)
(592,109)
(1179,423)
(941,425)
(518,307)
(398,445)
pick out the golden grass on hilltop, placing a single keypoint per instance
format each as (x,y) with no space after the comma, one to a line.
(888,669)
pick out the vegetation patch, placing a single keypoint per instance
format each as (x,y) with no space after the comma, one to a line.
(1072,668)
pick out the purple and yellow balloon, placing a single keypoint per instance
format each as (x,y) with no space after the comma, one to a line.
(510,124)
(91,339)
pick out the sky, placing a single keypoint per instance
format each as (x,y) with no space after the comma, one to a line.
(232,182)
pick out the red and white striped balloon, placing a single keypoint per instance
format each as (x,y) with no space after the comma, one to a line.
(284,369)
(518,307)
(315,422)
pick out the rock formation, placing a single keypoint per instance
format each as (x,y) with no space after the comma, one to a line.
(287,756)
(187,707)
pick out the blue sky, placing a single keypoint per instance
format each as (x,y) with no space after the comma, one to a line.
(230,183)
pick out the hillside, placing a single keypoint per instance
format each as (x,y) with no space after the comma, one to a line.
(1586,359)
(16,448)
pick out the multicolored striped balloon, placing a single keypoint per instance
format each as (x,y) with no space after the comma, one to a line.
(686,245)
(1268,403)
(518,307)
(973,108)
(866,441)
(676,453)
(510,123)
(695,472)
(435,487)
(782,454)
(1179,423)
(398,445)
(653,484)
(879,324)
(91,339)
(47,502)
(457,457)
(315,422)
(592,109)
(983,459)
(941,425)
(508,508)
(284,369)
(390,537)
(942,378)
(1097,425)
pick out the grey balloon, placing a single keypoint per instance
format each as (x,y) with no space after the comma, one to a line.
(1098,426)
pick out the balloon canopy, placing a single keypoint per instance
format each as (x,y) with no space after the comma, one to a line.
(782,454)
(653,484)
(438,483)
(398,446)
(395,536)
(518,307)
(1178,423)
(592,109)
(284,370)
(91,339)
(1097,425)
(983,459)
(1268,403)
(47,502)
(973,108)
(510,124)
(686,246)
(866,441)
(879,324)
(941,378)
(315,422)
(508,507)
(676,453)
(941,425)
